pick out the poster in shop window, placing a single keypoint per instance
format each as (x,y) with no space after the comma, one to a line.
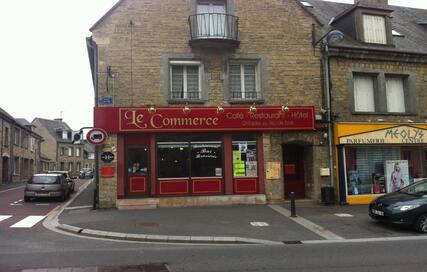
(396,174)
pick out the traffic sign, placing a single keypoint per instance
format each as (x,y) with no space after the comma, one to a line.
(96,136)
(107,157)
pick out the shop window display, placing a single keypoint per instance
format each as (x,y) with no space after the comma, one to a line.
(245,159)
(379,170)
(206,159)
(137,160)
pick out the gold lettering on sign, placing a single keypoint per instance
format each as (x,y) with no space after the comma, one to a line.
(135,119)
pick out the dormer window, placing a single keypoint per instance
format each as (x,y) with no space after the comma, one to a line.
(374,29)
(64,135)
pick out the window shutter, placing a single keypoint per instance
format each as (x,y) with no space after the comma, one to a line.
(395,95)
(364,94)
(374,29)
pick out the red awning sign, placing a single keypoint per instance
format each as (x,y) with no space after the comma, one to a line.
(96,136)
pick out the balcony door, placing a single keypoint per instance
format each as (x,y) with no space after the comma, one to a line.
(211,19)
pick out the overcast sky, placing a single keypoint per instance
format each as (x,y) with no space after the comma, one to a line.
(44,67)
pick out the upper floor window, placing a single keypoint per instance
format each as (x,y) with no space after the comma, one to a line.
(185,80)
(395,93)
(62,151)
(6,136)
(211,19)
(244,81)
(64,135)
(364,93)
(70,151)
(384,93)
(17,136)
(374,29)
(77,151)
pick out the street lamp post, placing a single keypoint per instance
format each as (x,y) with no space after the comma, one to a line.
(331,37)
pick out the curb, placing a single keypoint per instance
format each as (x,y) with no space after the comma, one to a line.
(163,238)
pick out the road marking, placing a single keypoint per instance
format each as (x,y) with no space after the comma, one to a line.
(259,224)
(4,217)
(319,230)
(12,189)
(42,204)
(28,221)
(343,215)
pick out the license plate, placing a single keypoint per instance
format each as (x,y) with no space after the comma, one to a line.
(42,194)
(377,212)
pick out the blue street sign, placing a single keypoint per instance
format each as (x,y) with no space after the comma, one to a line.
(105,100)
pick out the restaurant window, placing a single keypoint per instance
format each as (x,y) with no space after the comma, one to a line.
(172,160)
(245,162)
(206,159)
(137,160)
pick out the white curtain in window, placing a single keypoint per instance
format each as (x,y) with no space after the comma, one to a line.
(364,94)
(211,19)
(374,29)
(395,94)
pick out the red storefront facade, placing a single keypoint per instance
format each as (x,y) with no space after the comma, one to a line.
(193,151)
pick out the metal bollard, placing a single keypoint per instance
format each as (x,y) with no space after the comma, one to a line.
(293,208)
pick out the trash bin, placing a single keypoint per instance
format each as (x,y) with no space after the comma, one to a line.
(328,195)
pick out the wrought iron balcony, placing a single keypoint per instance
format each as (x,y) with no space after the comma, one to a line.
(216,30)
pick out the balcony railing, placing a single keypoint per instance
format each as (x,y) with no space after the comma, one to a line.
(214,30)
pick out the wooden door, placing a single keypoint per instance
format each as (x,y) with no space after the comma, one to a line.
(137,171)
(293,168)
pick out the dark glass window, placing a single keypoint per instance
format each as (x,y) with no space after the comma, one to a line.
(173,160)
(137,160)
(206,159)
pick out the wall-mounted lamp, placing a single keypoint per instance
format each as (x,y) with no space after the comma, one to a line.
(152,109)
(285,108)
(219,109)
(252,108)
(186,109)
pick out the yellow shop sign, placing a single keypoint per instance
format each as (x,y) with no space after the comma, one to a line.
(393,135)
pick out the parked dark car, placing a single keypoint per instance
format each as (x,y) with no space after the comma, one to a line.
(67,176)
(86,173)
(407,206)
(47,186)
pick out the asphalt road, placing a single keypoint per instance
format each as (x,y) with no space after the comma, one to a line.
(36,249)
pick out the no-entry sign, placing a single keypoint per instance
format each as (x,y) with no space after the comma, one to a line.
(96,136)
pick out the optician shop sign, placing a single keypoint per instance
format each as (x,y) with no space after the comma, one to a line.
(114,119)
(394,135)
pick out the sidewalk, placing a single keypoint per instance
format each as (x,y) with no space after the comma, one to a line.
(252,224)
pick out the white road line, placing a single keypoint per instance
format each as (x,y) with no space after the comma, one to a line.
(28,221)
(343,215)
(4,217)
(12,189)
(42,204)
(319,230)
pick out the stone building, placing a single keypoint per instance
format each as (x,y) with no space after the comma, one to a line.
(208,102)
(58,145)
(19,149)
(378,89)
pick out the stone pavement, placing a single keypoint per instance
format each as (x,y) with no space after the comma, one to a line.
(250,224)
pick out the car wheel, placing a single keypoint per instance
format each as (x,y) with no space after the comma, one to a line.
(26,198)
(421,223)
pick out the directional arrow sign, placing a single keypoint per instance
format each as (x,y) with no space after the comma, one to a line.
(96,136)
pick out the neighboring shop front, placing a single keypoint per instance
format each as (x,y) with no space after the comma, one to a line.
(197,151)
(374,159)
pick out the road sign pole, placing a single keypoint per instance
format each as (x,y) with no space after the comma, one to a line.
(96,190)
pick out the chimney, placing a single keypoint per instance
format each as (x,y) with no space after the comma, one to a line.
(372,3)
(58,119)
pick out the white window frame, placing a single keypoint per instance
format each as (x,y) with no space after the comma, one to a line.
(185,64)
(64,135)
(77,151)
(242,78)
(374,33)
(70,152)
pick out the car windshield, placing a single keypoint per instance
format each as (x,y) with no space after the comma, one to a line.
(43,179)
(419,188)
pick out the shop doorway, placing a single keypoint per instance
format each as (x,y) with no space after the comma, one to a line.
(137,171)
(293,170)
(5,167)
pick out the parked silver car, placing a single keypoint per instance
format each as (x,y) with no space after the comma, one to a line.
(47,186)
(67,176)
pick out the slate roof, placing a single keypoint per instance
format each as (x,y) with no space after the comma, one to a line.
(53,126)
(404,20)
(23,122)
(19,122)
(6,115)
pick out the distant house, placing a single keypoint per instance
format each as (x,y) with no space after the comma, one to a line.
(89,155)
(58,146)
(19,149)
